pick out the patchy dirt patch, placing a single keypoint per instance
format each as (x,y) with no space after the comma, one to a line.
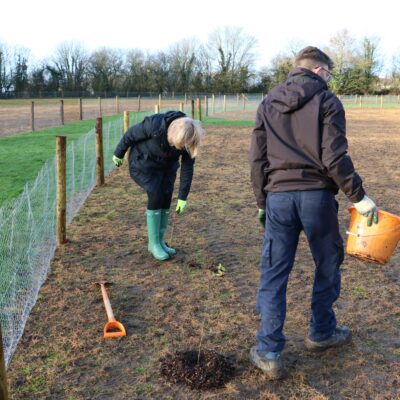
(166,306)
(199,369)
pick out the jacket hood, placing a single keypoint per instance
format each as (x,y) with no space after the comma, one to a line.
(299,89)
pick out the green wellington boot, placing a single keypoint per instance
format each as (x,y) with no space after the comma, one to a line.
(153,229)
(163,228)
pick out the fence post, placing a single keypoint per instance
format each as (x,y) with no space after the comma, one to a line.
(244,101)
(61,153)
(213,104)
(138,107)
(181,107)
(126,121)
(199,109)
(99,152)
(381,101)
(100,111)
(80,109)
(33,116)
(62,111)
(159,102)
(192,108)
(206,105)
(360,101)
(117,104)
(224,102)
(126,127)
(3,374)
(157,109)
(185,98)
(237,100)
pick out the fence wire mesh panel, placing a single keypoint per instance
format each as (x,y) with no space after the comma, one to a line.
(28,226)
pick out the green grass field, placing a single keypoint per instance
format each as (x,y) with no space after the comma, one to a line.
(23,155)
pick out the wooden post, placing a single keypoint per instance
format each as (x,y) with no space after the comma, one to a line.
(185,98)
(3,374)
(32,116)
(199,109)
(181,107)
(159,102)
(206,105)
(61,155)
(80,109)
(126,127)
(360,101)
(192,108)
(237,99)
(262,96)
(244,101)
(62,111)
(117,104)
(213,104)
(138,107)
(376,99)
(381,101)
(99,152)
(126,121)
(100,111)
(157,109)
(224,102)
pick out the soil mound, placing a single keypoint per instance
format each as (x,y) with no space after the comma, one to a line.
(206,370)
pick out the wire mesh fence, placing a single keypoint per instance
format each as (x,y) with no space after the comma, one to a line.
(28,224)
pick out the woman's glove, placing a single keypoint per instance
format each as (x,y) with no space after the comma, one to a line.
(261,216)
(117,161)
(180,206)
(367,208)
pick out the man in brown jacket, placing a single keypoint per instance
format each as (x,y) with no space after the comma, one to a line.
(299,161)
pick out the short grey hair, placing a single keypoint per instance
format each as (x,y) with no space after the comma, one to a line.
(186,133)
(311,57)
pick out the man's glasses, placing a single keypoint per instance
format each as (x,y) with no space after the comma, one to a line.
(328,72)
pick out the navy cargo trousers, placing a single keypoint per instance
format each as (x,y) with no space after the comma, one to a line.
(287,214)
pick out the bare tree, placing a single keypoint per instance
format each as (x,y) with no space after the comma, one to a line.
(232,52)
(342,51)
(70,64)
(106,70)
(183,63)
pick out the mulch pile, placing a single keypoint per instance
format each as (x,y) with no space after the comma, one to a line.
(206,370)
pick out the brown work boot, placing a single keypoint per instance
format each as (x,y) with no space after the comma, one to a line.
(271,363)
(340,337)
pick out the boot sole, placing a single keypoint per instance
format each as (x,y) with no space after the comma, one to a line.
(312,346)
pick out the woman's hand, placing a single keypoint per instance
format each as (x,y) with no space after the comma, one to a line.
(180,206)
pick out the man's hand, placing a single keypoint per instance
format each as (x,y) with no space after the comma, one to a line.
(118,161)
(367,208)
(180,206)
(261,216)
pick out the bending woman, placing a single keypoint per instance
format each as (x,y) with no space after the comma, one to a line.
(157,143)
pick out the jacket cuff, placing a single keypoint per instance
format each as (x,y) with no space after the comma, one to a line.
(356,197)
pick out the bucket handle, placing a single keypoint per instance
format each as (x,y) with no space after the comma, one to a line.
(397,228)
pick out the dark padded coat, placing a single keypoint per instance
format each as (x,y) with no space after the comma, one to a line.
(299,141)
(152,161)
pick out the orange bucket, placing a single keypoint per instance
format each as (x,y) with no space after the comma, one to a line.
(376,242)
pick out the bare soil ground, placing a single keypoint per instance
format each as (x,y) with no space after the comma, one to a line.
(182,305)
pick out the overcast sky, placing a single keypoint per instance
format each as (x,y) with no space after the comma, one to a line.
(40,25)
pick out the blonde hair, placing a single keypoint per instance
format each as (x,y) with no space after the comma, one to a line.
(186,133)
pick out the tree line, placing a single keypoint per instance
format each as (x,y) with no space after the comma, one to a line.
(226,63)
